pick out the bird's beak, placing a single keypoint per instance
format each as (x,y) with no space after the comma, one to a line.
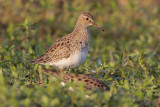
(98,26)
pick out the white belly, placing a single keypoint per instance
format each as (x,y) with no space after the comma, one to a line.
(74,60)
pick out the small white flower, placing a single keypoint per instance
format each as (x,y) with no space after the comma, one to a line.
(70,88)
(87,96)
(63,84)
(93,71)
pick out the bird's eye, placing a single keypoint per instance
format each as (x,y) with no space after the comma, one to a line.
(87,19)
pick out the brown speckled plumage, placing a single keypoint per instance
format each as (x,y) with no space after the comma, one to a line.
(71,50)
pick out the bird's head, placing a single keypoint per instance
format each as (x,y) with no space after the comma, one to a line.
(86,19)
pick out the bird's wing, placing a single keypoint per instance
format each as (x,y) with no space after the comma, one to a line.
(59,50)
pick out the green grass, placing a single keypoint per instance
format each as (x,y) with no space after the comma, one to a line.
(127,54)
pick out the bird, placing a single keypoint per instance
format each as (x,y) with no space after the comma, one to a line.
(89,82)
(71,50)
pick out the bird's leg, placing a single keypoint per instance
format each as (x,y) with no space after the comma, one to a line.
(61,70)
(51,68)
(40,75)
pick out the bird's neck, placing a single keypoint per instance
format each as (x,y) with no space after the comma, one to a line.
(80,27)
(81,32)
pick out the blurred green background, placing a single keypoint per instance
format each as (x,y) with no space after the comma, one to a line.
(127,54)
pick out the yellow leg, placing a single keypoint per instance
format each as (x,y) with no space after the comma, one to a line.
(61,70)
(51,68)
(40,75)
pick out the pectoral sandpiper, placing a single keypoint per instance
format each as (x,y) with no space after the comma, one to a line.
(71,50)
